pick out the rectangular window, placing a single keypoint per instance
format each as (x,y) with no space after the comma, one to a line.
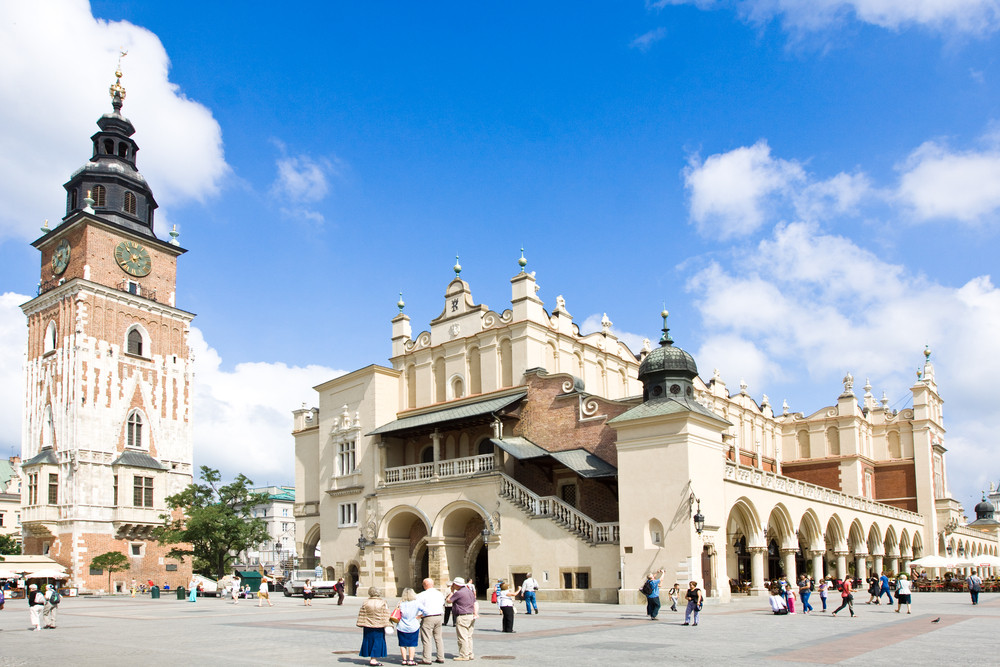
(567,580)
(136,549)
(53,489)
(284,512)
(576,579)
(345,458)
(115,499)
(142,492)
(94,571)
(33,488)
(171,567)
(348,514)
(2,515)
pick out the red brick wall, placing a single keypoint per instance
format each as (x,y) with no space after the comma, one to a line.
(896,484)
(820,473)
(553,422)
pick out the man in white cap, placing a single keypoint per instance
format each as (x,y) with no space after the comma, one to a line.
(35,603)
(463,604)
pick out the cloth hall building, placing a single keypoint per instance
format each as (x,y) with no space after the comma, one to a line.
(497,444)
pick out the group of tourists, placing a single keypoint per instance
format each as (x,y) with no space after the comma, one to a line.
(419,616)
(43,606)
(694,596)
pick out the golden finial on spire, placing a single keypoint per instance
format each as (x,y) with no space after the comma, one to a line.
(117,91)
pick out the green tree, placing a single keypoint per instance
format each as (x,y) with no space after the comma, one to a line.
(9,546)
(112,561)
(215,522)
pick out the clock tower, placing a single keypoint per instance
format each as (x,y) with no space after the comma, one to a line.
(107,417)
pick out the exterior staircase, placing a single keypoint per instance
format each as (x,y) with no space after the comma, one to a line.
(559,511)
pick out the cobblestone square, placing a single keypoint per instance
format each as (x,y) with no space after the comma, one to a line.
(122,630)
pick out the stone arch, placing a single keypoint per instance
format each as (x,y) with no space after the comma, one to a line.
(743,519)
(856,540)
(917,545)
(905,545)
(460,524)
(890,543)
(836,539)
(781,527)
(874,541)
(49,343)
(397,521)
(893,445)
(810,532)
(137,341)
(402,527)
(309,544)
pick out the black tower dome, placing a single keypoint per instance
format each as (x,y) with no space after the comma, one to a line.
(119,192)
(667,371)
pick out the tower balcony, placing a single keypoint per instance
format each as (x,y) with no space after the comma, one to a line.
(445,469)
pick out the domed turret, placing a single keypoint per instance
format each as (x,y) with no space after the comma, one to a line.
(985,515)
(667,371)
(109,186)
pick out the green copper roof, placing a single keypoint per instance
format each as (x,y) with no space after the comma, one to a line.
(135,459)
(44,456)
(663,407)
(445,415)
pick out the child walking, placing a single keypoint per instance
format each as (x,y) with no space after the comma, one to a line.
(674,593)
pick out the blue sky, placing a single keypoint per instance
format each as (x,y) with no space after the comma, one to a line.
(811,188)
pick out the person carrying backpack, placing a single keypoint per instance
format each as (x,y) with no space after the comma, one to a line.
(651,589)
(51,607)
(35,603)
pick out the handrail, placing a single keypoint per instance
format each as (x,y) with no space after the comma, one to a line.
(462,467)
(557,509)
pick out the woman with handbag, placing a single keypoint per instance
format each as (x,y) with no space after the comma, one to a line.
(695,600)
(505,599)
(373,618)
(407,625)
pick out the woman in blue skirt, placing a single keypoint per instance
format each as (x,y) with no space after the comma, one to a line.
(408,628)
(373,617)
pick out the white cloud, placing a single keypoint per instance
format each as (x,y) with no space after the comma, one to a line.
(302,178)
(938,183)
(945,16)
(13,345)
(242,417)
(731,193)
(593,323)
(644,41)
(804,307)
(57,62)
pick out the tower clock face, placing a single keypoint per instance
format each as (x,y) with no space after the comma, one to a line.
(133,258)
(60,258)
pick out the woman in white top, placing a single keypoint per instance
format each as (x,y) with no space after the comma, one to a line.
(903,592)
(505,599)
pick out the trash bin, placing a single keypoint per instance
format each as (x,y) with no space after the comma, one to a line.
(181,595)
(154,593)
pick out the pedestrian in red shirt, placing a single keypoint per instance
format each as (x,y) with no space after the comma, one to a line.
(847,597)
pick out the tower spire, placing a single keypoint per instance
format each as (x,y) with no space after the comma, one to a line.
(665,339)
(117,91)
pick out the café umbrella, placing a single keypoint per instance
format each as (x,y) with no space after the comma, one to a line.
(47,574)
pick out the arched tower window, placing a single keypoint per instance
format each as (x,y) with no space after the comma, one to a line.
(135,342)
(73,199)
(109,146)
(129,204)
(475,372)
(133,433)
(411,386)
(457,387)
(506,364)
(803,442)
(100,195)
(440,381)
(833,441)
(895,451)
(49,344)
(123,150)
